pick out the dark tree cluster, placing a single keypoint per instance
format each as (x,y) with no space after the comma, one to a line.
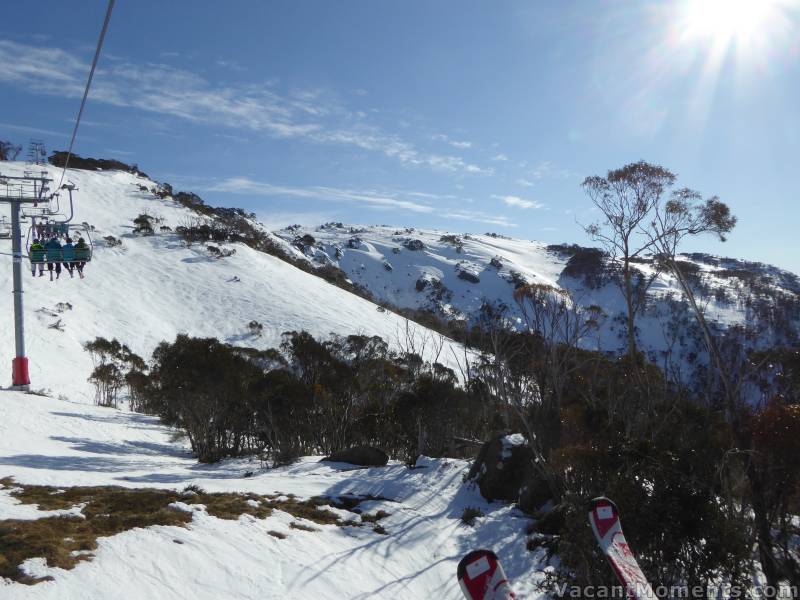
(59,158)
(308,397)
(115,367)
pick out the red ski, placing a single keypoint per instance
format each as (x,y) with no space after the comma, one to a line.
(482,577)
(604,518)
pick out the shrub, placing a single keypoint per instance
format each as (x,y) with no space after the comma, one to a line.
(469,514)
(143,224)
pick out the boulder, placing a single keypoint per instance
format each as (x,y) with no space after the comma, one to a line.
(503,467)
(364,456)
(415,245)
(470,276)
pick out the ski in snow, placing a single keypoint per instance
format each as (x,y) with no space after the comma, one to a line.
(481,577)
(604,518)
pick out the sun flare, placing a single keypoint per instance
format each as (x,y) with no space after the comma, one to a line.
(727,21)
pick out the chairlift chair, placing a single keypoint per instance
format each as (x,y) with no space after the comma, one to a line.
(59,227)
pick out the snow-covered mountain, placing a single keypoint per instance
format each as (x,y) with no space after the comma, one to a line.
(148,289)
(454,275)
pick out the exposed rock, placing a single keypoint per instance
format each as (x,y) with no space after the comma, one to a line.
(470,276)
(365,456)
(415,245)
(421,284)
(503,467)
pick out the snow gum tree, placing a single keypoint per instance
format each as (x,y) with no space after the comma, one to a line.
(626,199)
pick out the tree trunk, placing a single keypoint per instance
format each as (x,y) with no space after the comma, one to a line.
(763,529)
(626,273)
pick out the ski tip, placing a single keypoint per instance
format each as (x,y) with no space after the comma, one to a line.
(602,501)
(471,558)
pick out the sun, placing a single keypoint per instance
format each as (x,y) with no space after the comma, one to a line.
(724,22)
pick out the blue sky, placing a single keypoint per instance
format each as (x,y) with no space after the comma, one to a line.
(457,114)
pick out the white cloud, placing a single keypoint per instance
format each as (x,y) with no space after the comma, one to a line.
(500,157)
(547,169)
(461,144)
(35,130)
(518,202)
(311,115)
(374,199)
(244,185)
(524,182)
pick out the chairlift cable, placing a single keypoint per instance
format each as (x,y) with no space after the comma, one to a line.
(86,90)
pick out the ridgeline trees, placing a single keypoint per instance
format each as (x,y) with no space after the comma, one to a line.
(9,150)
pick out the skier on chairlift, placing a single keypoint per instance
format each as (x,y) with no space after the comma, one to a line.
(53,249)
(81,255)
(36,248)
(68,256)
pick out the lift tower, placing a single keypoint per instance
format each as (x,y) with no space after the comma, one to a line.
(30,189)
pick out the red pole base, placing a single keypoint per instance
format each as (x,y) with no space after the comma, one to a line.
(19,371)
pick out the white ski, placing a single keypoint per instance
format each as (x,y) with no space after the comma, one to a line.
(604,519)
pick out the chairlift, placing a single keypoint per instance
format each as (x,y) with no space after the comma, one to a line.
(5,229)
(49,227)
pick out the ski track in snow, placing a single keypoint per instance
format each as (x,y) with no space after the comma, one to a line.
(54,442)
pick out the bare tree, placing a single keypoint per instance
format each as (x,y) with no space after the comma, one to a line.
(9,151)
(686,215)
(626,198)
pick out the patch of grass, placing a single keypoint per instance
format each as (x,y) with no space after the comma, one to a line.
(107,510)
(306,509)
(374,518)
(302,526)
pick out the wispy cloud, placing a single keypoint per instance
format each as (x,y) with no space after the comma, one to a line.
(524,182)
(245,185)
(547,169)
(310,115)
(35,130)
(462,144)
(500,157)
(374,199)
(119,152)
(518,202)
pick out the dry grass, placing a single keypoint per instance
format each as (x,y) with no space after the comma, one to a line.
(277,534)
(107,511)
(302,526)
(110,510)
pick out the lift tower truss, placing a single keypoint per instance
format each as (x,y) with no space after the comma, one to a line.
(30,189)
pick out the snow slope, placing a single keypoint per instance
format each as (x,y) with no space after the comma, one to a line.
(455,274)
(151,288)
(54,442)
